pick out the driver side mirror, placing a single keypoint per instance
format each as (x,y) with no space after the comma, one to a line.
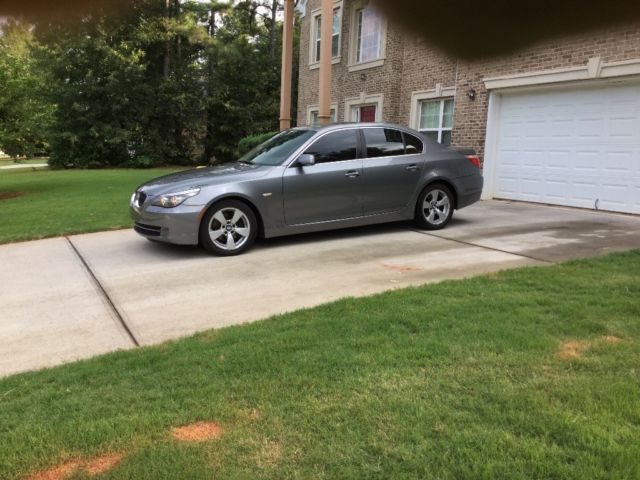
(306,160)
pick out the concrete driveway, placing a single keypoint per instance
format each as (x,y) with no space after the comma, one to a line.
(69,298)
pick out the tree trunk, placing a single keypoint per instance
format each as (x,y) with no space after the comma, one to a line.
(166,66)
(273,30)
(176,14)
(210,131)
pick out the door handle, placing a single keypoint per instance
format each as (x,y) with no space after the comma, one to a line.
(412,168)
(352,174)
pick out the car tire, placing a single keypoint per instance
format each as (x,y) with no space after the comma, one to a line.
(435,207)
(228,228)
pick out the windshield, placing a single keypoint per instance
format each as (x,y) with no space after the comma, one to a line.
(277,149)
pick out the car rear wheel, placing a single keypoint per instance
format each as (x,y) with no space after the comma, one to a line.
(435,207)
(228,228)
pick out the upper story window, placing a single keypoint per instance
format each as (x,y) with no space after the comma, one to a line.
(436,120)
(368,36)
(317,35)
(369,25)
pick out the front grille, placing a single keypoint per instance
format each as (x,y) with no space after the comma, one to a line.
(141,198)
(148,230)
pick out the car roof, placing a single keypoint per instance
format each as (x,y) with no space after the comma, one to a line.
(339,126)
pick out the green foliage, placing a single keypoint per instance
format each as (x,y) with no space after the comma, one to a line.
(24,116)
(252,141)
(53,203)
(157,83)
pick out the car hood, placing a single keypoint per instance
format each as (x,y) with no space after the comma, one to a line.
(202,177)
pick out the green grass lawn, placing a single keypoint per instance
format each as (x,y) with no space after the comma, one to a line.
(63,202)
(530,373)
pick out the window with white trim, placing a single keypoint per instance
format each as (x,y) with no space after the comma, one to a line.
(369,38)
(314,117)
(364,108)
(364,113)
(436,120)
(335,36)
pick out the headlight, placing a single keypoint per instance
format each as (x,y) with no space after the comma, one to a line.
(170,200)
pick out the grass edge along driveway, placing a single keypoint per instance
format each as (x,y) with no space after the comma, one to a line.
(529,373)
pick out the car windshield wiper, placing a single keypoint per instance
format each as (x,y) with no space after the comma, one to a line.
(244,162)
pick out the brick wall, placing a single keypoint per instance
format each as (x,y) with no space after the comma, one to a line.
(384,80)
(411,65)
(470,121)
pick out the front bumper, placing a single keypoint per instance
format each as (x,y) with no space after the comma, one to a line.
(179,225)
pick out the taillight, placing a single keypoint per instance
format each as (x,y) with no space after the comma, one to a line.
(474,159)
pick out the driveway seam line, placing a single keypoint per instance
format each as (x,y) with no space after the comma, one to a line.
(481,246)
(104,294)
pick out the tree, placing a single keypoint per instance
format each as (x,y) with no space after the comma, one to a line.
(24,114)
(162,82)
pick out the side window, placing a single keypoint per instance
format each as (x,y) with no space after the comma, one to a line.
(383,142)
(335,147)
(414,144)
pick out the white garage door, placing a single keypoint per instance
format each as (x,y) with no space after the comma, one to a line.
(578,147)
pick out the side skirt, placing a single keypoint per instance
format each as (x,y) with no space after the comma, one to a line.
(338,224)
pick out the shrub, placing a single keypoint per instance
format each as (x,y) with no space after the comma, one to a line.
(142,161)
(247,143)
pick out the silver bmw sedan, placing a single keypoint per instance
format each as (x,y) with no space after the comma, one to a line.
(306,180)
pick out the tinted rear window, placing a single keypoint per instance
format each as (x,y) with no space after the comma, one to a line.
(383,142)
(414,144)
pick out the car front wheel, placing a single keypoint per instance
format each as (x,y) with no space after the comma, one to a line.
(435,207)
(228,228)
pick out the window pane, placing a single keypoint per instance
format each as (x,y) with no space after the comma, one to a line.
(447,120)
(431,135)
(413,144)
(446,137)
(335,35)
(359,53)
(383,142)
(335,45)
(369,34)
(335,40)
(318,25)
(336,21)
(335,147)
(430,115)
(277,149)
(315,116)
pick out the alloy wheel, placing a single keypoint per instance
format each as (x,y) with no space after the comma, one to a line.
(436,207)
(229,229)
